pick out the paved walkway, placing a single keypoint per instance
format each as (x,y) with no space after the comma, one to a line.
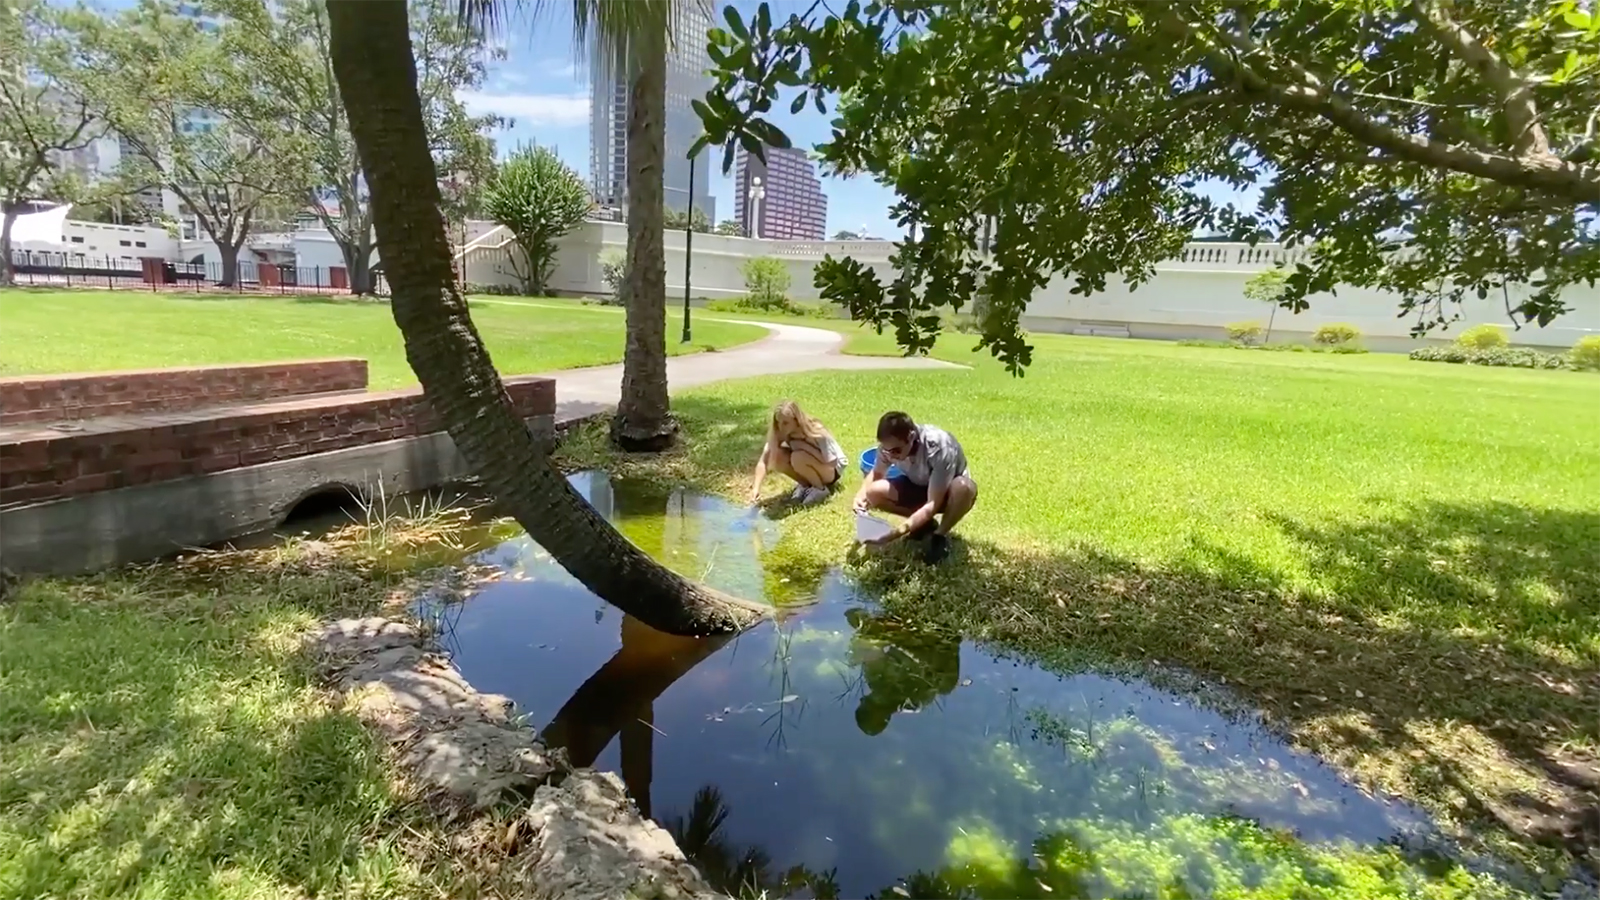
(790,348)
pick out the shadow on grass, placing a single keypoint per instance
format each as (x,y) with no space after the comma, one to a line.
(165,736)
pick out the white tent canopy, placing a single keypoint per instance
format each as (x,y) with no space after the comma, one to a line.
(41,230)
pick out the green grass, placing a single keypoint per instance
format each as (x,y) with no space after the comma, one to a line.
(75,331)
(164,737)
(1399,562)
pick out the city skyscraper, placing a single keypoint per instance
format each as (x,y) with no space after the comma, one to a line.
(780,199)
(687,63)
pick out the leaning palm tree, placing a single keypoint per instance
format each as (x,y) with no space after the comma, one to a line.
(370,43)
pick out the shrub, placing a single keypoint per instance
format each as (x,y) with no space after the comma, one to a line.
(1585,354)
(1483,337)
(613,263)
(1336,333)
(786,308)
(1246,333)
(1512,357)
(766,282)
(492,290)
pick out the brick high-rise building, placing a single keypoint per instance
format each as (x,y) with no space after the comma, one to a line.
(780,199)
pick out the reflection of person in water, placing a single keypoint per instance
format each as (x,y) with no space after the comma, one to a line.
(904,669)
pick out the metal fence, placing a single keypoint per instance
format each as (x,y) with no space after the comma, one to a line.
(47,269)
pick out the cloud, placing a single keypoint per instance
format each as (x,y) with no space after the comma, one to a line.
(530,109)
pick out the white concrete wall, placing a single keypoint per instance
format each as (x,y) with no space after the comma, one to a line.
(1193,296)
(98,240)
(316,254)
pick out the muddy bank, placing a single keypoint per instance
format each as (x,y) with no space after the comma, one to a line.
(577,834)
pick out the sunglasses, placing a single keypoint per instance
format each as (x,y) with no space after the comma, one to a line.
(898,451)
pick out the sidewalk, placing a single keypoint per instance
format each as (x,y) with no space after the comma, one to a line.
(581,393)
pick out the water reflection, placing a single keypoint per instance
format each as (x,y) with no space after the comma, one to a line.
(842,753)
(619,698)
(903,669)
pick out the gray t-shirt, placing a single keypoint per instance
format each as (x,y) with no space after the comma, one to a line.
(937,460)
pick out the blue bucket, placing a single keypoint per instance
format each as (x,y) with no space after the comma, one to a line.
(869,458)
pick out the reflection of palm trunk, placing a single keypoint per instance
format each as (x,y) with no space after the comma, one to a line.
(638,749)
(619,697)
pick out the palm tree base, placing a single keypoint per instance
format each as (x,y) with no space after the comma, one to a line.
(630,438)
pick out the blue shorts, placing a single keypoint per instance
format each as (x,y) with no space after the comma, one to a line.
(908,493)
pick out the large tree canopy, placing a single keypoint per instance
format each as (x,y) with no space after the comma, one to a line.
(1436,149)
(284,44)
(43,113)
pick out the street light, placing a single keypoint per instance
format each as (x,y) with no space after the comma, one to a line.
(757,194)
(688,250)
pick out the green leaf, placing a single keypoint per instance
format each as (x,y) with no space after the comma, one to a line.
(704,112)
(1134,20)
(798,104)
(769,133)
(735,24)
(1577,18)
(1015,23)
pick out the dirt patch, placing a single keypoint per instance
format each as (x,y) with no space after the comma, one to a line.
(577,834)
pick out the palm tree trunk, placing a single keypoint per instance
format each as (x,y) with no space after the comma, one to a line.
(371,48)
(643,421)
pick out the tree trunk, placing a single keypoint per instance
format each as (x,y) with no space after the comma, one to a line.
(370,42)
(358,265)
(7,219)
(643,421)
(230,264)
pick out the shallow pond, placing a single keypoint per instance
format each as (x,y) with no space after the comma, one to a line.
(838,753)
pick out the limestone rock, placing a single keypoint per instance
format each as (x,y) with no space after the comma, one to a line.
(587,840)
(589,843)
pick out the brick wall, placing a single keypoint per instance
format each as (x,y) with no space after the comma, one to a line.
(60,398)
(48,465)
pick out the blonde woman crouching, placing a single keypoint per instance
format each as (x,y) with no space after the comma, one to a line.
(801,448)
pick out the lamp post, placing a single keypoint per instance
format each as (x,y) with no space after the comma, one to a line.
(757,193)
(688,251)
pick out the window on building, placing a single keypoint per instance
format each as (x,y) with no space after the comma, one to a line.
(138,243)
(77,239)
(125,243)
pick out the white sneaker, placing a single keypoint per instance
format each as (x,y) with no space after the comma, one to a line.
(798,495)
(814,496)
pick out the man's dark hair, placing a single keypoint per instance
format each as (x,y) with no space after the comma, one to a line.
(896,425)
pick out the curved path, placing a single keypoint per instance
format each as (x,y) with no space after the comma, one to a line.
(789,348)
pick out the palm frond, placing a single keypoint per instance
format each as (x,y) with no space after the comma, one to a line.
(623,28)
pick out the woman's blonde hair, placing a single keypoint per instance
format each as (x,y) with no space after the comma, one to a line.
(810,428)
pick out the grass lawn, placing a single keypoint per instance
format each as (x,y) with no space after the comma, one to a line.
(76,331)
(165,738)
(1398,561)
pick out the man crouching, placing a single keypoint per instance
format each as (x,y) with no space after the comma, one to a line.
(932,489)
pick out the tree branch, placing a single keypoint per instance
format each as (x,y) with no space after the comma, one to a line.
(1546,173)
(1516,94)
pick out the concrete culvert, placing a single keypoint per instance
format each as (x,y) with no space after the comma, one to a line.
(326,506)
